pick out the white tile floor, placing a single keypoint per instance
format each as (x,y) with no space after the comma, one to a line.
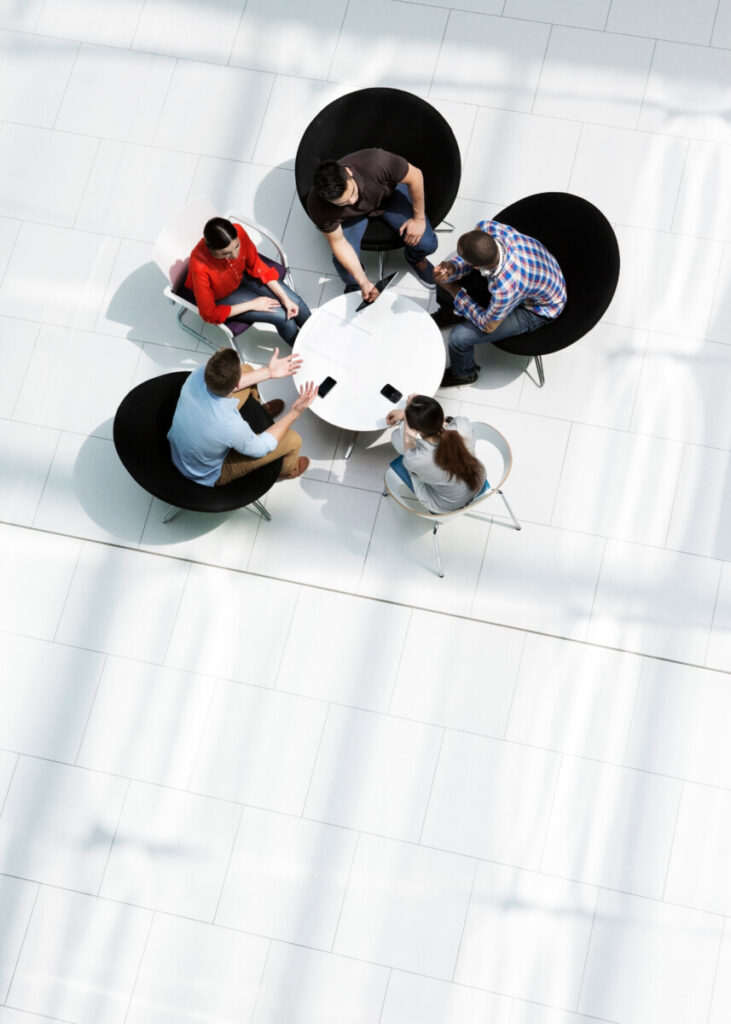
(280,772)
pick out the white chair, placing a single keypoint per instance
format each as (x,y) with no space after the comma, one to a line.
(493,451)
(172,254)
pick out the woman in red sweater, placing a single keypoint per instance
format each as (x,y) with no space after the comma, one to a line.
(230,281)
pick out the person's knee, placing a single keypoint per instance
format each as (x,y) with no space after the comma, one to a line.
(462,338)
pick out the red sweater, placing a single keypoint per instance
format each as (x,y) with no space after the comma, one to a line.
(211,279)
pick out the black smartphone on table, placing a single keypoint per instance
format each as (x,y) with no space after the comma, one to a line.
(327,385)
(391,393)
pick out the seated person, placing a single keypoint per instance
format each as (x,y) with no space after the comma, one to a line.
(231,281)
(438,455)
(212,444)
(510,284)
(371,183)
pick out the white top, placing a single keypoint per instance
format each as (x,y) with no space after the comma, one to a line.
(393,341)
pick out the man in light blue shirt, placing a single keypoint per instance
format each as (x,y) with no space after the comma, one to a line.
(211,443)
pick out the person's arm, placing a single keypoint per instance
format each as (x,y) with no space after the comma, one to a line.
(287,366)
(486,320)
(451,270)
(289,305)
(307,395)
(412,230)
(347,257)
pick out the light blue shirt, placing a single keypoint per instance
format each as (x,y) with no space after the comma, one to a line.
(205,426)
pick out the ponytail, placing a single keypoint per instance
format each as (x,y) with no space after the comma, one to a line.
(454,457)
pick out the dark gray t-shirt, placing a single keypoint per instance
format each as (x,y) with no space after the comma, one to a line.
(377,173)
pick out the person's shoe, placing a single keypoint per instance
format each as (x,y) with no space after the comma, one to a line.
(302,464)
(451,380)
(274,407)
(424,270)
(446,317)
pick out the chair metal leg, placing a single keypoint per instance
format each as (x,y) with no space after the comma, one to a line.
(381,261)
(539,367)
(261,510)
(436,550)
(444,227)
(512,514)
(189,330)
(170,514)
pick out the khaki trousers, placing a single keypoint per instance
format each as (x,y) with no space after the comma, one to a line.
(236,465)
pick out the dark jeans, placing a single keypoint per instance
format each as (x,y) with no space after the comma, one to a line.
(464,337)
(250,289)
(396,211)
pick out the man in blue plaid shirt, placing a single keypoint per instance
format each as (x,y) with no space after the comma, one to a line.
(516,278)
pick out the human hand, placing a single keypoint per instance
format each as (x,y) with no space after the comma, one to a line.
(394,416)
(412,230)
(307,395)
(368,291)
(284,367)
(290,308)
(263,304)
(444,271)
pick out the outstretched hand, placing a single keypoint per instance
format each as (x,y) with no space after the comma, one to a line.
(307,395)
(287,366)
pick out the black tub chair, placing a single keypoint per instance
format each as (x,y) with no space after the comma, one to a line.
(140,437)
(391,119)
(583,241)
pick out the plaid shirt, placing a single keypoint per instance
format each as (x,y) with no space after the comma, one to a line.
(529,276)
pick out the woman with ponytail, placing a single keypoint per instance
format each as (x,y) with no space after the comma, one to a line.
(438,454)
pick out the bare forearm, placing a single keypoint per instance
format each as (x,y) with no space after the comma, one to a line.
(283,424)
(347,257)
(277,291)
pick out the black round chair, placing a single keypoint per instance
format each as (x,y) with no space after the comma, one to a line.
(391,119)
(140,432)
(583,241)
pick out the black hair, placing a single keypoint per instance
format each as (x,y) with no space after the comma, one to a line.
(426,415)
(218,233)
(329,180)
(478,248)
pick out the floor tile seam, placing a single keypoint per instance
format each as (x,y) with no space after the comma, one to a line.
(399,662)
(235,33)
(386,601)
(715,22)
(463,929)
(568,758)
(346,887)
(385,995)
(346,11)
(46,478)
(6,996)
(549,817)
(92,704)
(428,88)
(263,116)
(537,87)
(591,929)
(163,104)
(713,614)
(26,371)
(678,491)
(262,975)
(514,688)
(199,744)
(381,499)
(679,192)
(671,847)
(10,780)
(315,759)
(666,334)
(120,815)
(559,478)
(285,640)
(141,961)
(430,792)
(72,577)
(645,86)
(375,963)
(582,121)
(229,861)
(65,89)
(13,246)
(181,595)
(722,938)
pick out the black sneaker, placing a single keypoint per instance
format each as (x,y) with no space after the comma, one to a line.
(451,380)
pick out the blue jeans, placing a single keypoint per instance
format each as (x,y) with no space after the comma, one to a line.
(250,289)
(396,211)
(465,336)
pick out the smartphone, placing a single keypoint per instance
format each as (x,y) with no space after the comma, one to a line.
(391,393)
(327,385)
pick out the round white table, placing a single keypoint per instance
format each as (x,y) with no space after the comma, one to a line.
(393,341)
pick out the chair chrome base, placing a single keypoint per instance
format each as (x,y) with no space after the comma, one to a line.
(172,512)
(539,368)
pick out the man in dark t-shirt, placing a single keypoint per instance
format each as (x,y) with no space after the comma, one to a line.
(371,183)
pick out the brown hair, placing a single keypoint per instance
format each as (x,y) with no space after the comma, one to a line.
(222,372)
(478,248)
(452,454)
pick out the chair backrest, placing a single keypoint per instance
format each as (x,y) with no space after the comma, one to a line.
(585,245)
(392,119)
(493,451)
(179,237)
